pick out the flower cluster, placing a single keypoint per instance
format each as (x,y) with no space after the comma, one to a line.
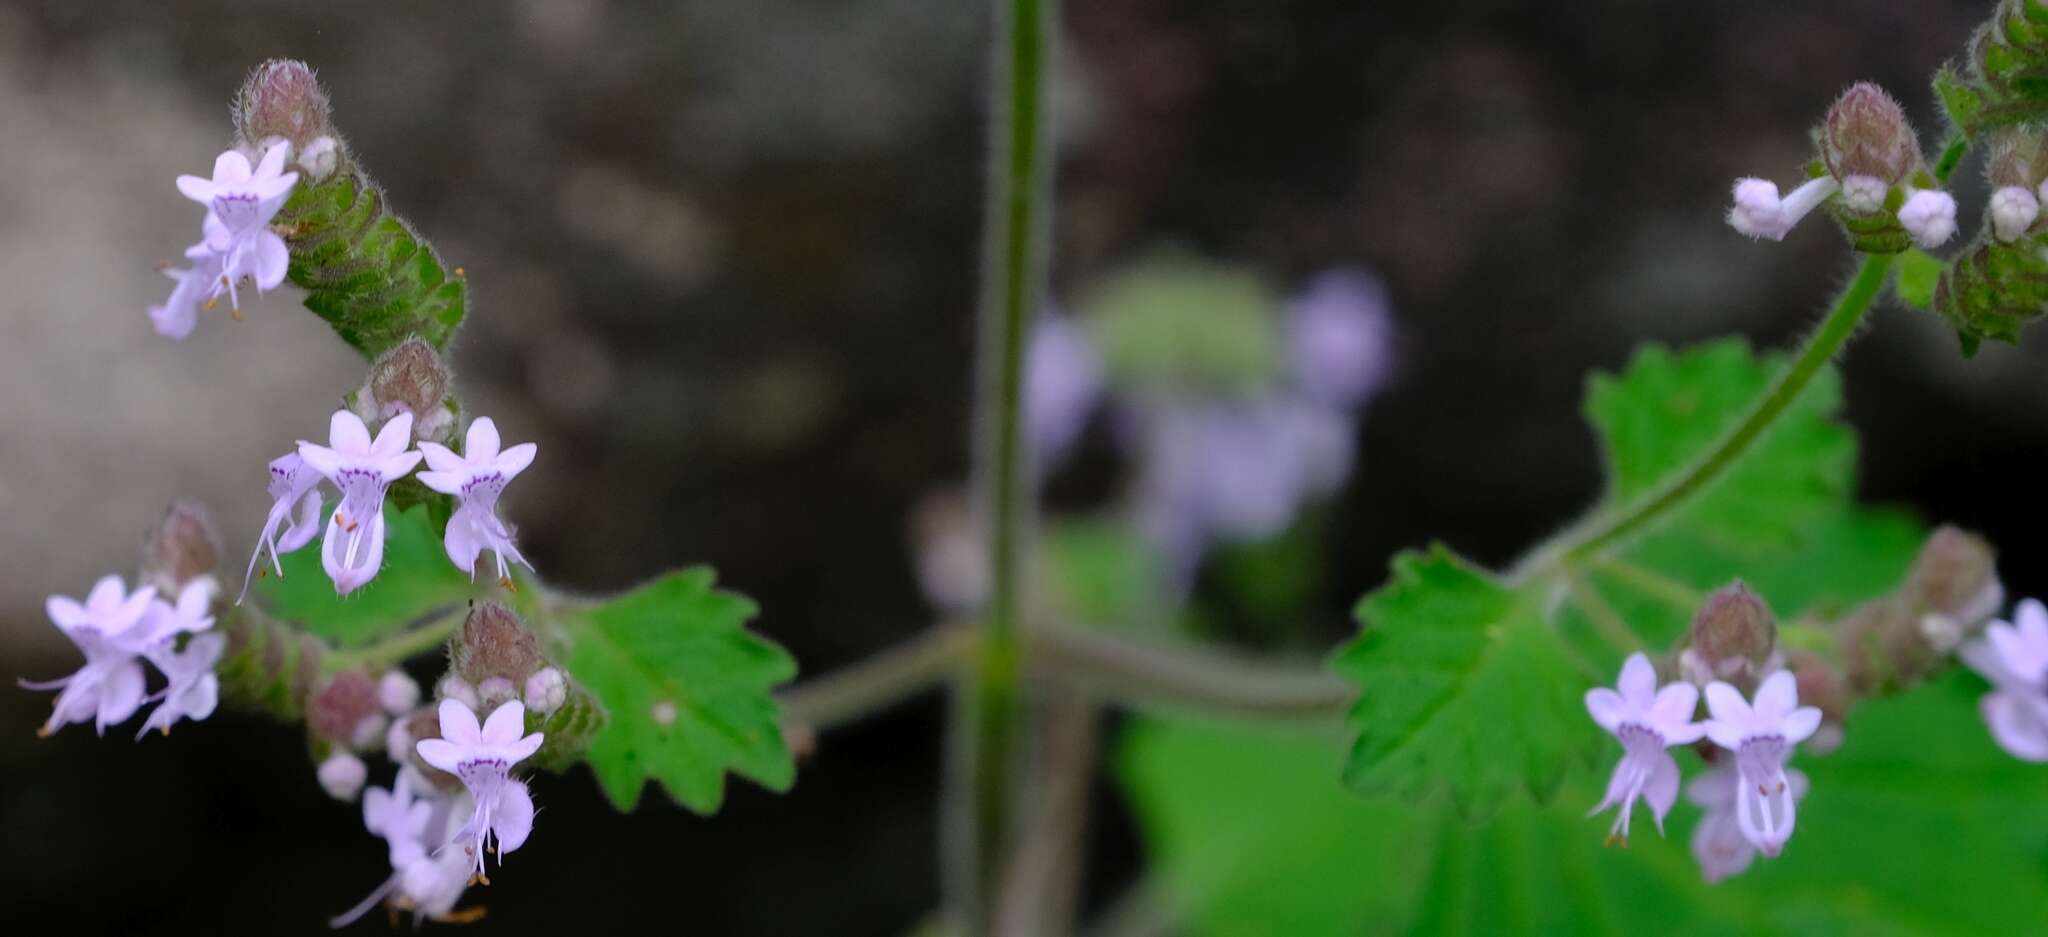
(361,469)
(2014,657)
(1755,799)
(116,629)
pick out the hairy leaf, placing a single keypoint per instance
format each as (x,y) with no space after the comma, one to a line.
(687,688)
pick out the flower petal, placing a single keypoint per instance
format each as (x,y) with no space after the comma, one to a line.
(512,821)
(1725,704)
(463,541)
(321,459)
(1778,696)
(346,435)
(394,437)
(106,596)
(2014,726)
(1607,707)
(1672,711)
(1800,724)
(1638,683)
(269,261)
(231,168)
(480,447)
(458,724)
(515,460)
(440,753)
(505,725)
(443,460)
(65,612)
(1661,790)
(120,695)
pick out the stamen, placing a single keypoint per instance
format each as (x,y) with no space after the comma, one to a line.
(465,916)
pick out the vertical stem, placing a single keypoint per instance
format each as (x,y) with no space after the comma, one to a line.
(1015,225)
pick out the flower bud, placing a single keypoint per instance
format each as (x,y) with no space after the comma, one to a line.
(546,691)
(458,689)
(339,709)
(368,731)
(1956,577)
(493,692)
(495,643)
(398,692)
(421,725)
(2017,159)
(398,740)
(1732,638)
(342,775)
(2013,210)
(320,158)
(1866,134)
(181,547)
(282,98)
(1821,685)
(410,378)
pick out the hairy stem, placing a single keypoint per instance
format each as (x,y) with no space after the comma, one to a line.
(881,681)
(1013,275)
(1609,528)
(1150,676)
(431,631)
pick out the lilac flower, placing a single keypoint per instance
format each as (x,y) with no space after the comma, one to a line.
(1062,379)
(1339,338)
(1929,216)
(179,315)
(476,478)
(1718,841)
(1762,736)
(362,469)
(108,689)
(483,759)
(400,818)
(240,204)
(294,496)
(418,824)
(2015,660)
(1760,213)
(1647,720)
(194,691)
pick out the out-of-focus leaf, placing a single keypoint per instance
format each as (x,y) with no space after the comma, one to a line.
(1919,273)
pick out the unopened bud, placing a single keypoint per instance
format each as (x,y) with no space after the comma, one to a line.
(1864,194)
(546,690)
(1956,576)
(421,725)
(398,692)
(494,692)
(342,776)
(338,710)
(2013,210)
(495,643)
(457,689)
(368,731)
(2017,159)
(1732,636)
(282,98)
(320,158)
(1821,685)
(181,547)
(398,740)
(1866,134)
(409,378)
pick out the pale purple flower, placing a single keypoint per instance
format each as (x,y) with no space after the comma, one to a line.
(1339,338)
(354,546)
(1762,736)
(108,629)
(1760,213)
(1929,215)
(2015,659)
(476,478)
(400,818)
(483,759)
(1647,720)
(1718,842)
(418,823)
(342,775)
(1062,380)
(193,690)
(294,502)
(179,315)
(240,203)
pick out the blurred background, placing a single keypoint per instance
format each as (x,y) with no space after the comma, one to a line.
(723,271)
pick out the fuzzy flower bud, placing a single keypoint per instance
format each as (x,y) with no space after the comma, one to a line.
(495,643)
(398,740)
(409,378)
(456,688)
(398,692)
(492,691)
(1929,216)
(1760,213)
(546,691)
(1864,194)
(1956,577)
(2013,210)
(1866,134)
(181,547)
(1733,637)
(320,158)
(342,776)
(282,98)
(339,709)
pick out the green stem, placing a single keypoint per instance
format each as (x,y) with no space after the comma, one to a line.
(881,681)
(1607,529)
(1014,240)
(1605,619)
(1155,676)
(432,632)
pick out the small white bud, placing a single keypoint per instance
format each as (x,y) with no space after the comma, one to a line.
(1942,632)
(263,146)
(397,692)
(1760,213)
(1863,194)
(1929,215)
(398,741)
(453,687)
(342,775)
(664,713)
(495,690)
(319,158)
(546,690)
(2013,210)
(368,730)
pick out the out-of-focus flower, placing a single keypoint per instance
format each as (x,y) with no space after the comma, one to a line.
(1062,381)
(1718,841)
(1762,736)
(2014,657)
(342,775)
(1647,720)
(1340,338)
(108,689)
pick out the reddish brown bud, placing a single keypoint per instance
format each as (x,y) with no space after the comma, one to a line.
(410,378)
(495,643)
(426,724)
(1732,637)
(282,98)
(181,547)
(1956,577)
(343,706)
(1866,134)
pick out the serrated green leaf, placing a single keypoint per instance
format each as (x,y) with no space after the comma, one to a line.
(687,688)
(1919,274)
(416,580)
(1919,825)
(1465,688)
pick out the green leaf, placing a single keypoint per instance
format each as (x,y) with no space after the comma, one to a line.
(1105,577)
(1919,273)
(416,580)
(1919,825)
(1465,688)
(687,688)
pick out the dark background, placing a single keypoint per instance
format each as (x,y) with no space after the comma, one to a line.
(723,268)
